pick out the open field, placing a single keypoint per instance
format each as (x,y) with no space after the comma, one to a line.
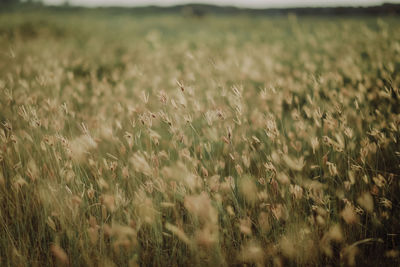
(177,141)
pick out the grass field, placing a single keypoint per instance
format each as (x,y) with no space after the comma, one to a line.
(176,141)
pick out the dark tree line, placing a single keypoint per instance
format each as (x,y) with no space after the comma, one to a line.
(200,10)
(15,2)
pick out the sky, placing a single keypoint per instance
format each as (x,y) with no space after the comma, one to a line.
(239,3)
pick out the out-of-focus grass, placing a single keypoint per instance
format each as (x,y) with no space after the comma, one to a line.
(166,140)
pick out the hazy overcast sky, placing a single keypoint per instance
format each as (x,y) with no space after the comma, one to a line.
(241,3)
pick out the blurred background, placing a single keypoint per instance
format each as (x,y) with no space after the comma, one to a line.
(202,7)
(238,3)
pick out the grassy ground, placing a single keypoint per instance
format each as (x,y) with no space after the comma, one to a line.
(165,141)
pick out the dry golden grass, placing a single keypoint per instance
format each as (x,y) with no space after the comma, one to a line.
(170,141)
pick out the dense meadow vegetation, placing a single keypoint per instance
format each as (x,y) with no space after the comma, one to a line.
(167,140)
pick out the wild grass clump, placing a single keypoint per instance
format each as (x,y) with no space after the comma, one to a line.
(167,141)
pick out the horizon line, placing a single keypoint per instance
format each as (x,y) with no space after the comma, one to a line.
(329,4)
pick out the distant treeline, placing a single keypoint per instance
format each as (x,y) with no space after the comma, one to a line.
(200,10)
